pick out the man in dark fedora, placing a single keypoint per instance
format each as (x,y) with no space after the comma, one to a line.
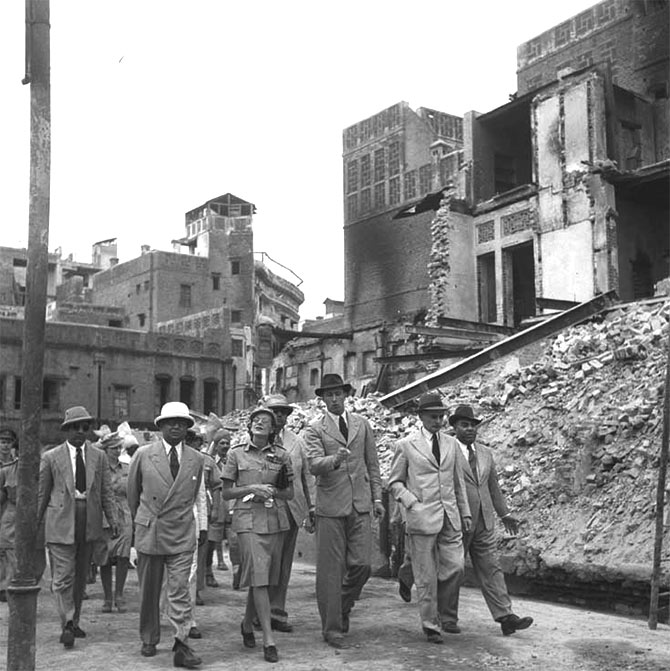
(164,484)
(342,454)
(74,490)
(486,500)
(427,480)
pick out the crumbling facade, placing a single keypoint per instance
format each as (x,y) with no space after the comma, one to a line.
(555,197)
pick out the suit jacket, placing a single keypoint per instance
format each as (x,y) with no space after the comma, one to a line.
(425,488)
(163,508)
(56,494)
(484,494)
(303,480)
(356,483)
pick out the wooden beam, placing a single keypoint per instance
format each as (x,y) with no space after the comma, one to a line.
(554,303)
(456,334)
(552,325)
(287,333)
(428,356)
(483,327)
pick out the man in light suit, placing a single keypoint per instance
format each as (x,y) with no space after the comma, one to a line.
(342,454)
(485,500)
(164,482)
(427,479)
(300,507)
(74,490)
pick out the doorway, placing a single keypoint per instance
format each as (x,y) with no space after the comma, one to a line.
(520,280)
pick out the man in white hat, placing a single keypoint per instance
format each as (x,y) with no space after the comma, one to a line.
(74,489)
(163,487)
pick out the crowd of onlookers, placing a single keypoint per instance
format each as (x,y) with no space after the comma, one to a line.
(178,498)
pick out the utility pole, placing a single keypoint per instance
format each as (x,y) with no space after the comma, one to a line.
(652,621)
(22,591)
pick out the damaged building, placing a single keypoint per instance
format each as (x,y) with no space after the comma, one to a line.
(458,231)
(125,338)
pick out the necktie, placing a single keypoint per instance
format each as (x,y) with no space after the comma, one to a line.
(472,459)
(80,472)
(343,428)
(174,462)
(436,448)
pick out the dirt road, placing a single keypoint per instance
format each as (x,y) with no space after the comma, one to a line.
(385,635)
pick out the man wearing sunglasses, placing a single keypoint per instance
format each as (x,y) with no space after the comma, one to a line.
(74,491)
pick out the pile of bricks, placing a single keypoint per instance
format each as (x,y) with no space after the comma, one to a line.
(576,435)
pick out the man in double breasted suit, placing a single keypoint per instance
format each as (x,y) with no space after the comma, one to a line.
(163,486)
(342,454)
(486,500)
(427,480)
(74,491)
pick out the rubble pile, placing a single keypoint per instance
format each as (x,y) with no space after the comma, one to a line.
(576,434)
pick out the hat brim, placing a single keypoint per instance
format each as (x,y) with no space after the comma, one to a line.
(434,408)
(290,408)
(161,418)
(345,387)
(454,418)
(76,421)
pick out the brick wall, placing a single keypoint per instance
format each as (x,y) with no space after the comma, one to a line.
(386,270)
(632,36)
(128,359)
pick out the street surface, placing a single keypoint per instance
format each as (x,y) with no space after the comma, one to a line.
(385,635)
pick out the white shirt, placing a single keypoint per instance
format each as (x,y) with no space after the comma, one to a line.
(73,463)
(428,436)
(168,447)
(336,418)
(464,449)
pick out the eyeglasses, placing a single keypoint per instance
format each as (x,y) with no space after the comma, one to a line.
(79,426)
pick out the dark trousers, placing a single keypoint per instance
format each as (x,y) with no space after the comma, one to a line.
(344,548)
(69,568)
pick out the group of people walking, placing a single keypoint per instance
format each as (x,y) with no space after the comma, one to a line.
(171,502)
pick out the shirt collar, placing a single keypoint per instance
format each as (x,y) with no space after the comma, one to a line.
(72,448)
(336,418)
(168,447)
(428,436)
(268,448)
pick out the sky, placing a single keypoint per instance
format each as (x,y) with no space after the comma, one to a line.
(161,105)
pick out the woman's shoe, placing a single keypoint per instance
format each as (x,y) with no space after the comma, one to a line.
(270,653)
(121,605)
(248,638)
(106,606)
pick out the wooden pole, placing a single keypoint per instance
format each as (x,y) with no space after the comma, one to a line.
(660,501)
(22,591)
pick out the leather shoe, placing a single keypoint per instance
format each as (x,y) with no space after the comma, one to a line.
(451,628)
(270,653)
(345,623)
(194,632)
(433,636)
(511,623)
(148,649)
(337,642)
(404,591)
(78,631)
(210,581)
(184,656)
(248,637)
(198,600)
(67,637)
(280,625)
